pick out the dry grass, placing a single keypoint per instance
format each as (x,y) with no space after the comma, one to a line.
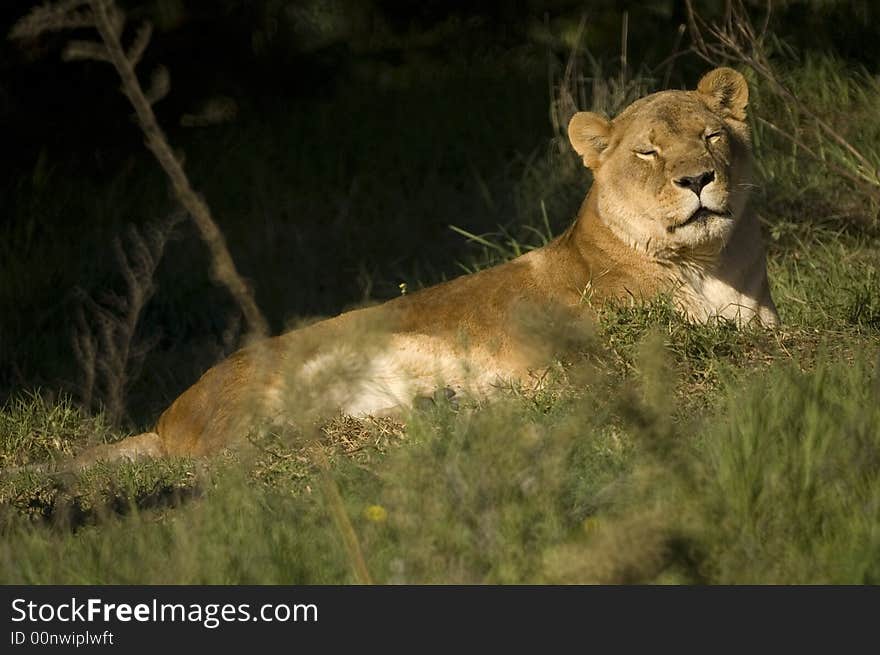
(656,451)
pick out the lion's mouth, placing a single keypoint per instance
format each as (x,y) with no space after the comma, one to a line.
(701,215)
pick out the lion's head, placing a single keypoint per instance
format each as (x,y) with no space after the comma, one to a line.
(670,171)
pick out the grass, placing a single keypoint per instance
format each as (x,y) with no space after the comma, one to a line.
(803,506)
(34,430)
(619,479)
(660,452)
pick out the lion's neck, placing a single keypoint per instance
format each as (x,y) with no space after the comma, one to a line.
(734,285)
(615,268)
(710,284)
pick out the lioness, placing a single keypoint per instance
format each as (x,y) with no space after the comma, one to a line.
(666,214)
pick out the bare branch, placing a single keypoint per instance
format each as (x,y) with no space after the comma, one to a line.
(735,40)
(53,17)
(115,17)
(565,105)
(696,32)
(223,267)
(140,43)
(670,60)
(109,21)
(800,143)
(105,341)
(85,351)
(766,20)
(160,85)
(76,50)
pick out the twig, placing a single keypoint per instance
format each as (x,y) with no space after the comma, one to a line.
(109,21)
(840,170)
(735,40)
(624,36)
(104,341)
(343,523)
(222,265)
(670,60)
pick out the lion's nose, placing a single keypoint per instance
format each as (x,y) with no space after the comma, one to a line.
(696,182)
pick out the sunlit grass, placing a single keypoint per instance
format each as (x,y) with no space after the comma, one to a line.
(658,451)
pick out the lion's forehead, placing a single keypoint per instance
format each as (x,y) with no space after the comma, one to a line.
(676,114)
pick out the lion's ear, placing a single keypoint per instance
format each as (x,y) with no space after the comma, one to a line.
(726,90)
(589,134)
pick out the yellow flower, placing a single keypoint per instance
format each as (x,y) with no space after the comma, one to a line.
(376,514)
(590,525)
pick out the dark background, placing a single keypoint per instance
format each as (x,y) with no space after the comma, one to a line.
(268,53)
(363,129)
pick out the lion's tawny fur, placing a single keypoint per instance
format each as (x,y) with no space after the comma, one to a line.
(666,214)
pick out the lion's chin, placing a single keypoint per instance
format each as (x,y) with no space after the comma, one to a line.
(702,216)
